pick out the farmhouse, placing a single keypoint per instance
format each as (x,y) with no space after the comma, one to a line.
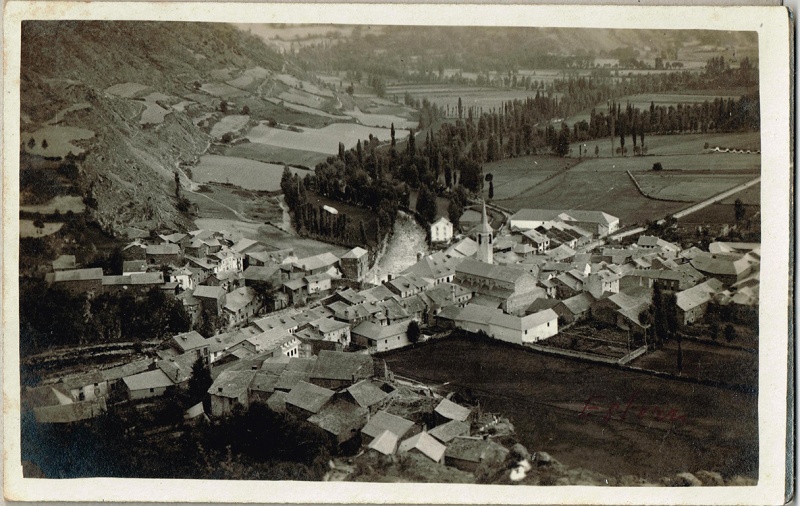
(624,308)
(450,430)
(369,394)
(229,390)
(318,283)
(147,384)
(435,268)
(212,298)
(449,410)
(527,329)
(64,262)
(163,254)
(528,219)
(332,330)
(692,303)
(385,443)
(355,264)
(307,399)
(189,342)
(276,341)
(441,230)
(317,264)
(341,420)
(385,421)
(80,281)
(334,369)
(575,308)
(597,222)
(381,337)
(727,268)
(424,444)
(241,305)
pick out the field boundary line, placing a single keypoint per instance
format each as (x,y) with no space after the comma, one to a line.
(716,198)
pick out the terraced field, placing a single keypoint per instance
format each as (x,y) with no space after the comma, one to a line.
(274,154)
(230,123)
(321,140)
(248,174)
(59,141)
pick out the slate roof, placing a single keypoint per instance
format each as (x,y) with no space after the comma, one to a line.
(336,365)
(64,262)
(377,293)
(466,247)
(244,244)
(295,284)
(579,303)
(232,384)
(716,265)
(270,340)
(95,273)
(367,393)
(425,444)
(374,332)
(317,261)
(475,313)
(261,272)
(277,401)
(338,417)
(178,368)
(453,411)
(163,249)
(541,304)
(127,369)
(284,322)
(327,324)
(189,341)
(698,294)
(147,380)
(208,292)
(448,431)
(383,420)
(592,216)
(473,267)
(239,298)
(385,443)
(355,253)
(535,215)
(309,397)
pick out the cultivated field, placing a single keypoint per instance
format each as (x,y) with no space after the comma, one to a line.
(513,176)
(751,196)
(231,123)
(687,188)
(62,204)
(223,90)
(274,154)
(59,141)
(322,140)
(684,144)
(611,192)
(27,229)
(307,110)
(712,162)
(720,432)
(153,114)
(248,174)
(126,90)
(382,120)
(307,99)
(448,95)
(294,82)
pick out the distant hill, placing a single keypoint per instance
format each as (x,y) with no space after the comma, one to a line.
(135,86)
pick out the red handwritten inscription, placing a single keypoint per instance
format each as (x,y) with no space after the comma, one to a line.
(630,410)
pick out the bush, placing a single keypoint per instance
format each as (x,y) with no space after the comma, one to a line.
(658,166)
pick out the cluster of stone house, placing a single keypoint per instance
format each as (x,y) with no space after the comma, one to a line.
(345,396)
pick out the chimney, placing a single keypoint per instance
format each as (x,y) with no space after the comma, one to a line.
(219,389)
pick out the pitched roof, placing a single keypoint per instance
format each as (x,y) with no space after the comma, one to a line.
(466,247)
(698,294)
(453,411)
(308,396)
(718,265)
(64,262)
(449,430)
(473,267)
(134,266)
(277,401)
(261,272)
(127,369)
(244,244)
(189,341)
(579,303)
(374,332)
(337,365)
(383,420)
(163,249)
(95,273)
(425,444)
(355,253)
(317,261)
(270,340)
(208,292)
(367,393)
(632,297)
(385,443)
(147,380)
(178,368)
(540,304)
(475,313)
(232,384)
(591,216)
(338,417)
(377,293)
(327,324)
(295,284)
(285,322)
(535,215)
(239,298)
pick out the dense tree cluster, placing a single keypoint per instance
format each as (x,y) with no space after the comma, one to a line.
(51,316)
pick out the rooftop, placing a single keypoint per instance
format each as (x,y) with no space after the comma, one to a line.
(336,365)
(425,444)
(453,411)
(233,384)
(383,420)
(95,273)
(147,380)
(309,397)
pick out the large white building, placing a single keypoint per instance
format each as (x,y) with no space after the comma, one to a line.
(441,230)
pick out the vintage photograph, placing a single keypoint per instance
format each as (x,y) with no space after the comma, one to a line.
(388,253)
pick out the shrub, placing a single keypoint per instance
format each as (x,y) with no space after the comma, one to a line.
(658,166)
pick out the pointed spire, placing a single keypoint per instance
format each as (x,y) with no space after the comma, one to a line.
(485,228)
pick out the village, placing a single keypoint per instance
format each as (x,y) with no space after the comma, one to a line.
(307,336)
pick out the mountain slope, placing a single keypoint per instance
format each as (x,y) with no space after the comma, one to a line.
(136,87)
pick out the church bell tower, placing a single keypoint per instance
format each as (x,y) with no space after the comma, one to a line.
(485,239)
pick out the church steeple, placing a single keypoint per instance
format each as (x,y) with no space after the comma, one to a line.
(485,239)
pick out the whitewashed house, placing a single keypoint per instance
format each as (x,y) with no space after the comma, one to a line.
(441,230)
